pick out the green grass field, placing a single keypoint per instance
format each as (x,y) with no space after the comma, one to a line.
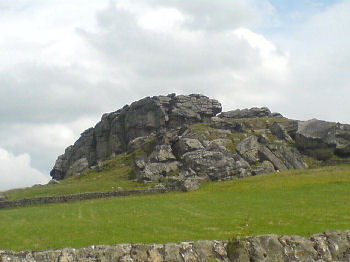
(294,202)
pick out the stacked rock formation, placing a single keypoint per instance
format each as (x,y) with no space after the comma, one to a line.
(115,130)
(185,141)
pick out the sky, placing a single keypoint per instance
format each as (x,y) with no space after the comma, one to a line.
(65,63)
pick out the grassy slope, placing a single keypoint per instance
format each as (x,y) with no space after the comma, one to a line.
(293,202)
(115,173)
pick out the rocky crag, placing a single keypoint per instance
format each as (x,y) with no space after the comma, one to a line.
(181,141)
(330,246)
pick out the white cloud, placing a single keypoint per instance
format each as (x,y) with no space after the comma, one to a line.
(43,141)
(16,171)
(235,63)
(161,19)
(319,62)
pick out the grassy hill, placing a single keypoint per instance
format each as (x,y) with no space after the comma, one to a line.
(299,202)
(114,174)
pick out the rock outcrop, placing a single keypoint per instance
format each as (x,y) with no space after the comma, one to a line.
(321,139)
(181,141)
(247,113)
(327,247)
(115,130)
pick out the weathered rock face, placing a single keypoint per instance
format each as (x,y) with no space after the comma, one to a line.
(115,130)
(315,136)
(279,131)
(216,165)
(327,247)
(280,156)
(248,113)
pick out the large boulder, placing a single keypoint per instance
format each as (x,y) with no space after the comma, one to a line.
(184,145)
(248,149)
(157,166)
(216,165)
(219,144)
(266,167)
(186,180)
(282,157)
(153,171)
(191,109)
(162,153)
(317,136)
(258,149)
(279,131)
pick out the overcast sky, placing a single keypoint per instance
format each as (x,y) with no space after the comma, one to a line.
(64,63)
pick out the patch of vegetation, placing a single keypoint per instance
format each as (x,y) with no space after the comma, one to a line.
(300,202)
(312,162)
(200,127)
(110,176)
(332,161)
(235,138)
(203,131)
(173,173)
(148,146)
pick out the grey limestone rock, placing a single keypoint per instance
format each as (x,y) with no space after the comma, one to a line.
(281,157)
(78,166)
(289,156)
(248,148)
(279,131)
(216,165)
(219,144)
(266,154)
(190,184)
(156,172)
(266,167)
(137,143)
(318,134)
(225,124)
(162,153)
(247,113)
(184,145)
(53,182)
(113,133)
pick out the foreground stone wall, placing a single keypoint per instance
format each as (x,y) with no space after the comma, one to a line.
(78,197)
(186,251)
(330,246)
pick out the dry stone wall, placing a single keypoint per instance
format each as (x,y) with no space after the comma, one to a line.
(78,197)
(325,247)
